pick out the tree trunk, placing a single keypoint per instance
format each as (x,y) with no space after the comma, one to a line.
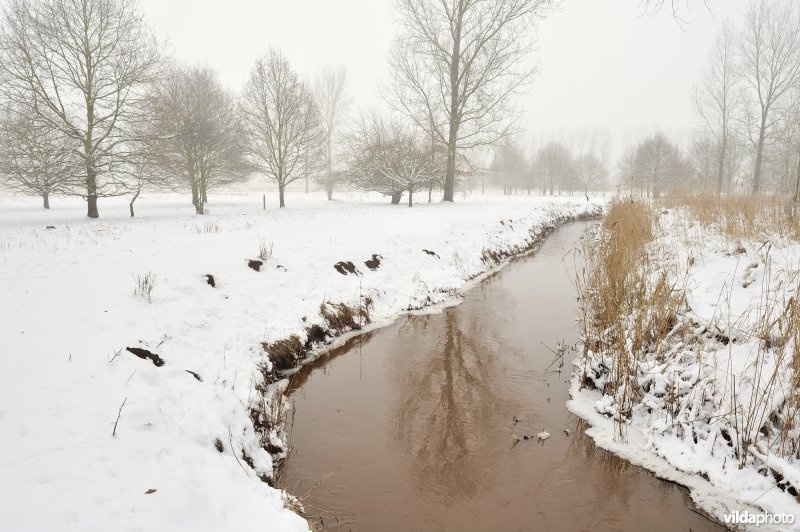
(759,154)
(396,198)
(328,169)
(721,169)
(430,193)
(280,196)
(91,206)
(133,199)
(410,195)
(46,199)
(452,138)
(194,195)
(205,196)
(199,206)
(450,175)
(797,181)
(91,192)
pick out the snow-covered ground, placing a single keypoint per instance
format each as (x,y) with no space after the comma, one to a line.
(68,311)
(716,406)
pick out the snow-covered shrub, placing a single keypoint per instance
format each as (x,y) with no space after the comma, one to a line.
(144,284)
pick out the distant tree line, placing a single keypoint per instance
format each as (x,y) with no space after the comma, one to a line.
(747,136)
(576,162)
(748,104)
(91,106)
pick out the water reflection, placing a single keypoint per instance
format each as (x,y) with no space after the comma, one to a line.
(446,396)
(416,421)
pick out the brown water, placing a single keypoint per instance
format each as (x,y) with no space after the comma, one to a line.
(411,426)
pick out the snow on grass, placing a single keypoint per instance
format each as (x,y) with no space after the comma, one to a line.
(715,399)
(72,301)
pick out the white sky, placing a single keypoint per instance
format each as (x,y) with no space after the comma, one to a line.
(603,64)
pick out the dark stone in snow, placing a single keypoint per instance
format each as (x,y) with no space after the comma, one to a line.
(346,267)
(144,354)
(374,263)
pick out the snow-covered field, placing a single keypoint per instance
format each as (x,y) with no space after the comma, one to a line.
(716,405)
(68,311)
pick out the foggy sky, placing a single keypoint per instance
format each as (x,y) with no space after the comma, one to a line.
(602,62)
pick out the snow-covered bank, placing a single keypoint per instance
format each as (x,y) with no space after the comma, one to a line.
(712,402)
(70,306)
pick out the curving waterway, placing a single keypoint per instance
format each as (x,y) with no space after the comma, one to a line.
(415,426)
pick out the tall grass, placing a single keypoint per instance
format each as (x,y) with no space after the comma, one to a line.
(769,420)
(629,302)
(636,325)
(740,216)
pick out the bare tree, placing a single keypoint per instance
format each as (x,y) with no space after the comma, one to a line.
(554,166)
(651,7)
(703,151)
(784,161)
(332,101)
(286,139)
(389,157)
(791,136)
(82,66)
(510,167)
(591,173)
(770,66)
(34,158)
(717,98)
(197,138)
(456,64)
(658,163)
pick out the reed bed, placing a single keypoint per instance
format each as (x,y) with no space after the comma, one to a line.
(731,383)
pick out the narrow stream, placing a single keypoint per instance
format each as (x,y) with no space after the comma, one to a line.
(410,427)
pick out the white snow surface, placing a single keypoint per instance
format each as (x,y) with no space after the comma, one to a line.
(68,311)
(729,285)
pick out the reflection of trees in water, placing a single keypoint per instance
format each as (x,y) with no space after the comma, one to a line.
(447,399)
(326,361)
(606,474)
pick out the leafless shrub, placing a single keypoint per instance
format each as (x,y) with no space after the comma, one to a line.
(265,250)
(206,227)
(268,415)
(144,284)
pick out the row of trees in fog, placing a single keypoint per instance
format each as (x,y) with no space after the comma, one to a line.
(554,167)
(748,103)
(91,106)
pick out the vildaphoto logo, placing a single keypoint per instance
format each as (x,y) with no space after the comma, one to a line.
(750,518)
